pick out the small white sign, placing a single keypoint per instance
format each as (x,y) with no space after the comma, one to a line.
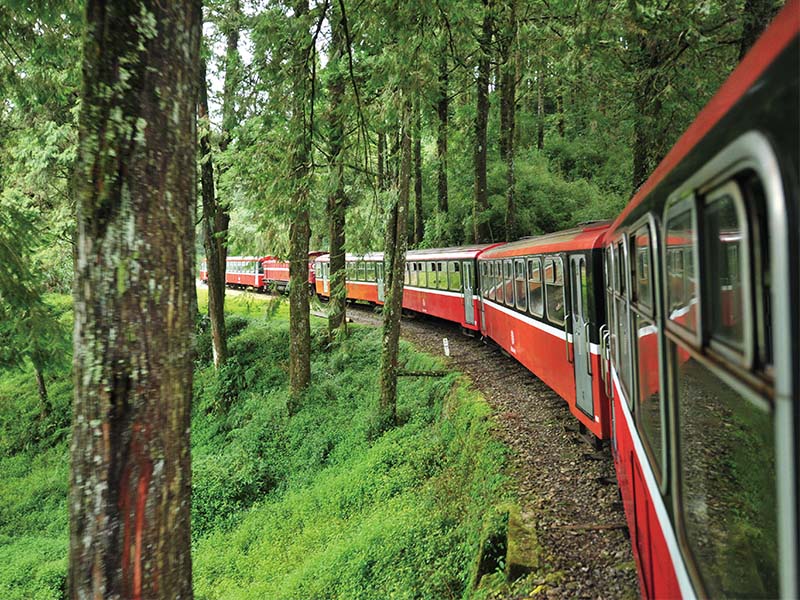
(446,345)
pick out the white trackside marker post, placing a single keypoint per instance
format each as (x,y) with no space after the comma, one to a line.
(446,345)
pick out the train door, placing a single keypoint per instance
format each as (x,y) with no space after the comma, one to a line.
(326,277)
(580,335)
(468,275)
(379,279)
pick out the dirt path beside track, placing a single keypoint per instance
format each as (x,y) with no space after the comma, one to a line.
(566,489)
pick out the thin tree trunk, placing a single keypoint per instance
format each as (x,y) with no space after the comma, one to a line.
(442,110)
(560,109)
(395,260)
(215,226)
(134,302)
(540,106)
(42,388)
(481,202)
(381,161)
(756,15)
(508,100)
(300,229)
(337,201)
(419,222)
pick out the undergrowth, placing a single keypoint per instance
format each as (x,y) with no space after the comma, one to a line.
(323,504)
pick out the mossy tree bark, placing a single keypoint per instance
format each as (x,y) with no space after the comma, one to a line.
(442,111)
(419,217)
(337,200)
(395,261)
(215,228)
(130,483)
(481,201)
(300,229)
(508,110)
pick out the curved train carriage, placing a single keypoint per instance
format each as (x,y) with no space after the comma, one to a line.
(672,331)
(364,277)
(701,294)
(542,303)
(259,272)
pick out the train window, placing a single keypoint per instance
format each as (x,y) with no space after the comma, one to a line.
(728,482)
(350,269)
(520,284)
(371,271)
(554,289)
(508,281)
(428,277)
(535,291)
(498,269)
(443,275)
(491,282)
(454,275)
(641,265)
(484,279)
(725,252)
(682,301)
(406,274)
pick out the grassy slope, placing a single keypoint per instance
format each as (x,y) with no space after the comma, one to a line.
(316,505)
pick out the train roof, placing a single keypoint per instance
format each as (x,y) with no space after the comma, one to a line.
(370,256)
(245,258)
(454,253)
(582,237)
(769,46)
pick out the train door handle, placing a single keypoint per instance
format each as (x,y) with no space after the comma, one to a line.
(588,349)
(607,338)
(567,317)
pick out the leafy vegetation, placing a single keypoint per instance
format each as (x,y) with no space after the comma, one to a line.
(320,504)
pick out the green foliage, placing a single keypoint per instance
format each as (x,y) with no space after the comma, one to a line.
(317,505)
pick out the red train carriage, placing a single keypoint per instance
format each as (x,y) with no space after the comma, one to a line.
(541,301)
(441,282)
(702,290)
(276,272)
(364,277)
(244,271)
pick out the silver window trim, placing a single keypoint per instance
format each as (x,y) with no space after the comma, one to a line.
(753,151)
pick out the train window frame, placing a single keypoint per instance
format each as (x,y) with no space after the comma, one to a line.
(536,261)
(653,314)
(744,357)
(676,207)
(482,274)
(644,305)
(455,284)
(508,281)
(442,282)
(499,287)
(520,299)
(564,294)
(371,274)
(492,291)
(752,151)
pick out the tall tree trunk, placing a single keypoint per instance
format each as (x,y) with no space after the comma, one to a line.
(42,388)
(337,200)
(442,110)
(215,226)
(230,26)
(419,222)
(300,229)
(540,75)
(560,110)
(481,202)
(508,100)
(134,302)
(395,260)
(756,15)
(382,161)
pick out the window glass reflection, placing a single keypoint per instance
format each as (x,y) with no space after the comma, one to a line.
(727,464)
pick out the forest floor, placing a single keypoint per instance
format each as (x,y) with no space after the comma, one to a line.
(566,489)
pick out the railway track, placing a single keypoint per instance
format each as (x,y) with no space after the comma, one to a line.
(566,488)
